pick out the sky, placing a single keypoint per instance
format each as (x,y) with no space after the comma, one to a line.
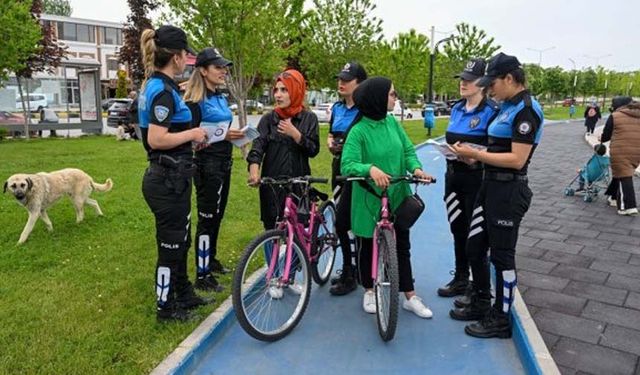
(587,31)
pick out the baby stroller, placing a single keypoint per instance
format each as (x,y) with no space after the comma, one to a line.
(593,177)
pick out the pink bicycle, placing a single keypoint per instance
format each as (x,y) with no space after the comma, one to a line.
(272,282)
(384,261)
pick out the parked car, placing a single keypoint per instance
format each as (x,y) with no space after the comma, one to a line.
(11,118)
(119,113)
(400,109)
(441,109)
(36,102)
(249,106)
(106,103)
(323,111)
(568,101)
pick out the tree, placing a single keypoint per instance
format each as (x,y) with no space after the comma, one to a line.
(20,35)
(121,88)
(46,59)
(137,21)
(468,42)
(254,34)
(555,82)
(589,83)
(58,7)
(535,78)
(335,32)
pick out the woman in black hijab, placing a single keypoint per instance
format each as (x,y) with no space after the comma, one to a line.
(378,147)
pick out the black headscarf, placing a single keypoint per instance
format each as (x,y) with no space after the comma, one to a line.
(371,97)
(619,101)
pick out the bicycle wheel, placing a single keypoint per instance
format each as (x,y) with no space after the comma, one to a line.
(268,308)
(386,285)
(325,241)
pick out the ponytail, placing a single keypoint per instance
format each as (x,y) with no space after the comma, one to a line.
(196,87)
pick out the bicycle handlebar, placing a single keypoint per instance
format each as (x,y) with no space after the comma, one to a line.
(294,180)
(394,179)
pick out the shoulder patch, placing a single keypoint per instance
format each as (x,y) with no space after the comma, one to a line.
(524,128)
(161,112)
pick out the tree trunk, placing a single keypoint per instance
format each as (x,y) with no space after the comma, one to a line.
(24,109)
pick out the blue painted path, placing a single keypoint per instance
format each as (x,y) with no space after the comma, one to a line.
(336,336)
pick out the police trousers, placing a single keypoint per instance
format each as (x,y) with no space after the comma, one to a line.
(495,221)
(212,180)
(168,194)
(460,192)
(342,195)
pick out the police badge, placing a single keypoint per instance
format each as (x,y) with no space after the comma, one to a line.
(474,122)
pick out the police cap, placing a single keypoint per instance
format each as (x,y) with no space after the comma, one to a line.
(473,70)
(172,37)
(211,56)
(352,70)
(499,65)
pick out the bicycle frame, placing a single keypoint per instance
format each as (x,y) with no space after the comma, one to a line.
(383,223)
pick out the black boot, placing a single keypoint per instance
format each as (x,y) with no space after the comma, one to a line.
(334,280)
(495,324)
(345,284)
(219,268)
(208,283)
(188,299)
(173,312)
(455,287)
(465,300)
(476,310)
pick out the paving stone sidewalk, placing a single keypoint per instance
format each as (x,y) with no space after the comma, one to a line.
(579,264)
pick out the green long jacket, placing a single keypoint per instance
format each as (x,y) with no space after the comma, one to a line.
(383,144)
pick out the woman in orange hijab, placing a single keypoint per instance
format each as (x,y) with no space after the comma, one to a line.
(288,138)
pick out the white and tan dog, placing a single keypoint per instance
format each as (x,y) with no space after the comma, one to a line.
(37,192)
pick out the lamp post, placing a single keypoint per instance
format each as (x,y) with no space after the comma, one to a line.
(597,58)
(432,58)
(575,81)
(606,85)
(540,52)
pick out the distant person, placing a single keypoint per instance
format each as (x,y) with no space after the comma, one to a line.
(132,127)
(623,129)
(591,116)
(572,110)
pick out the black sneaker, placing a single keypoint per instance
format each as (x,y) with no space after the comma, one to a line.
(173,314)
(345,285)
(208,283)
(476,310)
(219,268)
(495,324)
(455,287)
(190,300)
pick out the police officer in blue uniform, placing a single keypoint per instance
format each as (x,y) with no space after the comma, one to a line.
(503,199)
(165,124)
(210,109)
(469,120)
(343,115)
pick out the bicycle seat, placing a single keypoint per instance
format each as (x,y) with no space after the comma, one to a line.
(316,195)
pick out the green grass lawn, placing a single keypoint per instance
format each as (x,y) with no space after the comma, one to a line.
(81,299)
(562,113)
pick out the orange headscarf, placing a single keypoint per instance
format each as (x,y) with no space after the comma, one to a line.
(296,86)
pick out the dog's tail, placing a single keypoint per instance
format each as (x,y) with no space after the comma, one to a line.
(102,187)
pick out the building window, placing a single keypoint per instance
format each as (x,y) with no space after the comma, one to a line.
(70,92)
(112,64)
(87,55)
(111,35)
(76,32)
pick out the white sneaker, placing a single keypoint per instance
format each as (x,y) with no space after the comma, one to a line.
(612,202)
(275,292)
(417,307)
(296,288)
(628,212)
(369,302)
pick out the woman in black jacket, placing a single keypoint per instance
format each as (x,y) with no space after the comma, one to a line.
(288,138)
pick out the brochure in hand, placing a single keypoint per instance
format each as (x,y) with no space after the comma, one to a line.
(447,151)
(250,133)
(216,131)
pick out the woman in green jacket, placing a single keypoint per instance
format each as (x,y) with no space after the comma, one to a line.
(378,147)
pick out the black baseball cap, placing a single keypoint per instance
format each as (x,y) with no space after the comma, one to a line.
(352,70)
(473,70)
(499,65)
(172,37)
(211,56)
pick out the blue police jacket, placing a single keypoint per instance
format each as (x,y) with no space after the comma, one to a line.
(342,118)
(470,126)
(215,108)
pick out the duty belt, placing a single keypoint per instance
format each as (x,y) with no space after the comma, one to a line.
(505,176)
(165,165)
(458,166)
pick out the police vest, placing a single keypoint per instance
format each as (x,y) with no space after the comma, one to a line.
(215,108)
(180,121)
(502,125)
(470,126)
(342,118)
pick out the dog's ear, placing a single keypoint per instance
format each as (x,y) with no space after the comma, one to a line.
(29,183)
(4,190)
